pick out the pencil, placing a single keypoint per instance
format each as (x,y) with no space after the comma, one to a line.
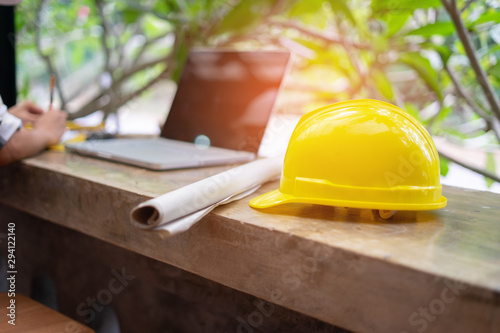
(52,84)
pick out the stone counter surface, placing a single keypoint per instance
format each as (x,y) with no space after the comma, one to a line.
(430,271)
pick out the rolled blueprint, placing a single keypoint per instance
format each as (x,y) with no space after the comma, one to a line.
(178,210)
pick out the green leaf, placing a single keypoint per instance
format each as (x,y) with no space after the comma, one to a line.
(208,5)
(424,69)
(438,28)
(443,114)
(495,33)
(311,13)
(443,166)
(300,8)
(413,110)
(494,71)
(490,166)
(340,6)
(395,22)
(384,6)
(444,52)
(162,7)
(131,15)
(454,133)
(23,93)
(154,27)
(244,17)
(379,44)
(382,83)
(20,22)
(180,59)
(76,53)
(491,16)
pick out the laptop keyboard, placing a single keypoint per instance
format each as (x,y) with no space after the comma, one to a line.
(160,151)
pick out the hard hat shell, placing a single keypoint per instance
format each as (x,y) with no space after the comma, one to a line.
(361,154)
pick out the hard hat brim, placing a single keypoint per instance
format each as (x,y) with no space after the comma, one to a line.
(275,198)
(270,199)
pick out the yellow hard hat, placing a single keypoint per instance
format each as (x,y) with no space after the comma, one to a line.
(361,154)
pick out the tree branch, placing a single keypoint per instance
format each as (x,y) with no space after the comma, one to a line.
(141,67)
(48,61)
(470,167)
(104,36)
(353,59)
(467,4)
(277,7)
(95,103)
(135,30)
(461,92)
(317,35)
(113,105)
(433,119)
(463,34)
(147,44)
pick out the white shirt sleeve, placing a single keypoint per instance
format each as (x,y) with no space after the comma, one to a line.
(9,124)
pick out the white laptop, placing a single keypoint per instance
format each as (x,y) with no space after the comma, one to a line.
(218,116)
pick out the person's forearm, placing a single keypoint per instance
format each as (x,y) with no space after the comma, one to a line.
(22,144)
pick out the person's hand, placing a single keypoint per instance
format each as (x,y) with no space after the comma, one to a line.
(27,111)
(51,125)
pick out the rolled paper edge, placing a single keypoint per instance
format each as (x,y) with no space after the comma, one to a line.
(151,214)
(145,216)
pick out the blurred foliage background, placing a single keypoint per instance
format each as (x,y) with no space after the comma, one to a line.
(436,59)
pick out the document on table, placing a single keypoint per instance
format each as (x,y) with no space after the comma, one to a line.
(177,211)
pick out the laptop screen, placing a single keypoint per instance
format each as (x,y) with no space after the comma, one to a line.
(225,98)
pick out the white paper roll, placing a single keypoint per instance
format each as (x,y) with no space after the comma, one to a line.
(220,188)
